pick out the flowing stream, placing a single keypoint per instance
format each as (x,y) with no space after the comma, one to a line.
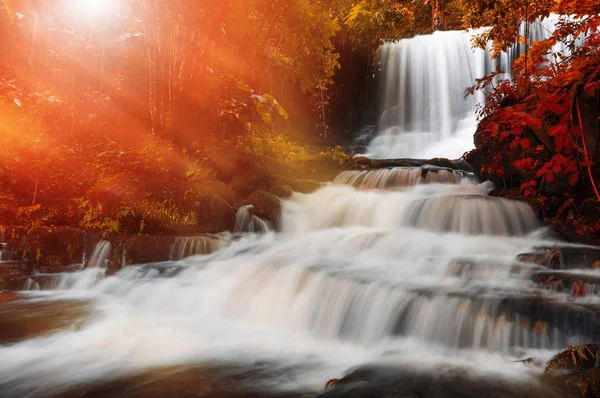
(425,277)
(411,267)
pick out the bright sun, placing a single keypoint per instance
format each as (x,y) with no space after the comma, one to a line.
(92,9)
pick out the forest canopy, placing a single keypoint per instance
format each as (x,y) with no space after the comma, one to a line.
(100,97)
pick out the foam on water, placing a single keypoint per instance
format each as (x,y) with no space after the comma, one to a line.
(349,281)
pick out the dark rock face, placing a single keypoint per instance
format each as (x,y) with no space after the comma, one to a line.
(214,214)
(56,246)
(394,382)
(282,191)
(266,205)
(208,381)
(443,162)
(22,319)
(302,186)
(141,249)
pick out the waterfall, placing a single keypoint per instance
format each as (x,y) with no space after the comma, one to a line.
(100,255)
(196,245)
(433,276)
(245,221)
(7,254)
(437,208)
(423,112)
(415,266)
(400,177)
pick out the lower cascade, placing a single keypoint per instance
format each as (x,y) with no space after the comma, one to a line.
(426,277)
(400,177)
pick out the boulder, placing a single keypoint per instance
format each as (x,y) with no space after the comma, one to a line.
(141,249)
(214,214)
(443,162)
(358,163)
(387,163)
(266,205)
(282,191)
(53,246)
(327,165)
(302,186)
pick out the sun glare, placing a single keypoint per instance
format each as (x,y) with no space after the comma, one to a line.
(92,9)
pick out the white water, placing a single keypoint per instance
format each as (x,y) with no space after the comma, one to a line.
(423,112)
(399,177)
(187,246)
(99,257)
(347,282)
(245,221)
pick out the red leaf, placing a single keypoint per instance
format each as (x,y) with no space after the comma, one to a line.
(524,164)
(561,129)
(573,178)
(559,109)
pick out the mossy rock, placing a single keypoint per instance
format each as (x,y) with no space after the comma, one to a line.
(214,214)
(266,205)
(282,191)
(387,163)
(326,165)
(302,186)
(443,162)
(362,161)
(359,163)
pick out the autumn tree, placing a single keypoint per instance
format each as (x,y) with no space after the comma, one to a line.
(539,132)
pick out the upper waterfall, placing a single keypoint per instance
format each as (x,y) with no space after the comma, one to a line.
(423,112)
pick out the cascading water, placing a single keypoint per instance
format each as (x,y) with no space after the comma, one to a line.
(196,245)
(6,252)
(99,257)
(421,95)
(415,267)
(400,177)
(245,221)
(425,278)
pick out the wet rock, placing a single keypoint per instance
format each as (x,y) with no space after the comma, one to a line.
(214,214)
(282,191)
(53,246)
(6,297)
(386,163)
(207,381)
(129,221)
(326,165)
(302,186)
(443,162)
(266,205)
(141,249)
(574,359)
(25,319)
(14,282)
(390,381)
(563,257)
(362,161)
